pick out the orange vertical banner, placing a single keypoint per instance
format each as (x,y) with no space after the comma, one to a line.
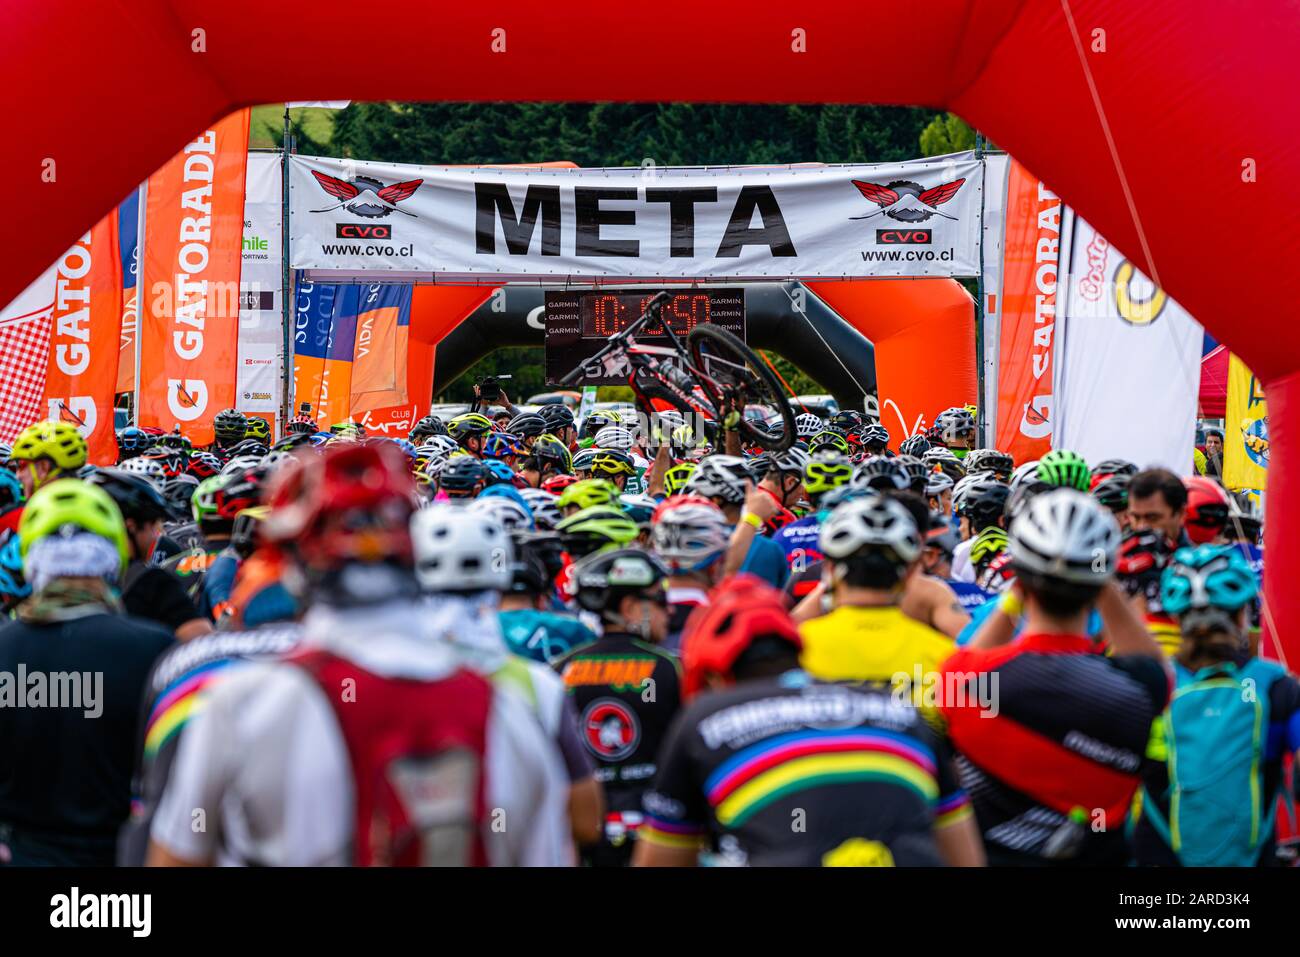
(1029,284)
(84,330)
(189,289)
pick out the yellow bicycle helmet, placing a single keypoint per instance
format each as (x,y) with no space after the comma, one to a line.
(72,502)
(587,493)
(60,442)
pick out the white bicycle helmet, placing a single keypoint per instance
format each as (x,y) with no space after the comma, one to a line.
(146,468)
(807,424)
(689,534)
(505,511)
(545,513)
(793,459)
(435,443)
(720,476)
(1065,535)
(1024,473)
(936,483)
(871,522)
(615,437)
(582,459)
(937,454)
(241,463)
(434,460)
(963,483)
(460,549)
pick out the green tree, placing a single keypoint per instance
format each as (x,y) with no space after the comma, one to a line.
(947,134)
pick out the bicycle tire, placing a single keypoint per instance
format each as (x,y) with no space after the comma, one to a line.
(775,396)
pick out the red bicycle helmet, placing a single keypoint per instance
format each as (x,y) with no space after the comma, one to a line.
(741,609)
(1207,509)
(354,503)
(558,483)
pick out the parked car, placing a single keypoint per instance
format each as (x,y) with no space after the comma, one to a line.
(821,405)
(571,399)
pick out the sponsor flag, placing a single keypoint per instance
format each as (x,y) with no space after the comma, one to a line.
(1031,264)
(261,320)
(1128,359)
(319,104)
(190,287)
(381,346)
(313,324)
(85,328)
(1245,440)
(128,226)
(24,348)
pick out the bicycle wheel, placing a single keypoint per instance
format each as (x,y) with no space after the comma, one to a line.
(732,365)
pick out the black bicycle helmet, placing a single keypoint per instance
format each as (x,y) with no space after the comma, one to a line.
(428,426)
(557,416)
(916,445)
(984,502)
(461,475)
(136,496)
(249,447)
(549,453)
(603,579)
(229,425)
(527,424)
(874,437)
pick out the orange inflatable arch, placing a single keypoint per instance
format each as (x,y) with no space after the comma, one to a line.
(1157,120)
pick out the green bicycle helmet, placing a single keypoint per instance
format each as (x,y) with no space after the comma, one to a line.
(676,477)
(826,471)
(465,426)
(1064,469)
(595,529)
(587,493)
(70,502)
(829,439)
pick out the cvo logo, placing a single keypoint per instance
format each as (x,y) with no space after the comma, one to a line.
(366,196)
(903,237)
(906,202)
(363,231)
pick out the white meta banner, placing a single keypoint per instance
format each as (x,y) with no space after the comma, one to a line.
(261,317)
(919,218)
(1128,363)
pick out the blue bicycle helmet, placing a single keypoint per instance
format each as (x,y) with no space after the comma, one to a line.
(405,446)
(1207,576)
(13,586)
(11,490)
(133,441)
(502,490)
(498,471)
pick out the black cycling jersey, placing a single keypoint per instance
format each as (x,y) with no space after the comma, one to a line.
(157,594)
(65,778)
(792,771)
(626,693)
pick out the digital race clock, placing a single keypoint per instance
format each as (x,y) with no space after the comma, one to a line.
(578,322)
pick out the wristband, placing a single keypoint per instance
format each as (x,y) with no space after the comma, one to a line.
(1010,605)
(752,519)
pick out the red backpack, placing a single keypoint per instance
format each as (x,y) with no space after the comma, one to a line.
(417,750)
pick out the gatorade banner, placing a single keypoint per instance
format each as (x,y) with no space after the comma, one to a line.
(1129,363)
(261,337)
(85,328)
(1031,261)
(1245,433)
(128,227)
(190,287)
(917,218)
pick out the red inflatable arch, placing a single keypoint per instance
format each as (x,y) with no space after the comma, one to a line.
(1159,121)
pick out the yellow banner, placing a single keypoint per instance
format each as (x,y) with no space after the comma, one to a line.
(1245,444)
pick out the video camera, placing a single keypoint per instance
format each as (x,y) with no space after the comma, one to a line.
(489,386)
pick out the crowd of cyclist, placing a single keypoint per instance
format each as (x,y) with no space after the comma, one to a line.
(534,639)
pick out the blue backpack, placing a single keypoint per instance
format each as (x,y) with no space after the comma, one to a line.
(1214,734)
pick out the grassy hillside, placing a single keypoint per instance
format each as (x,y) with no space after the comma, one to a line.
(267,125)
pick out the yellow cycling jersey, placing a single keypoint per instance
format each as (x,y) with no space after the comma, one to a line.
(881,644)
